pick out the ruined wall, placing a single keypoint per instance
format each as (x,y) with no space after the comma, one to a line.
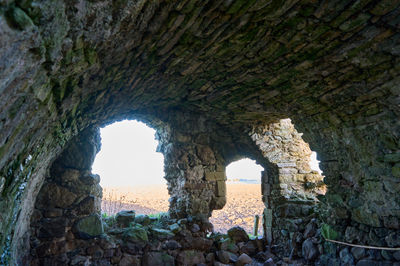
(331,66)
(194,171)
(284,146)
(359,165)
(68,205)
(291,196)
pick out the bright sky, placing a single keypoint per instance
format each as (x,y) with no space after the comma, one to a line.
(314,163)
(244,169)
(128,157)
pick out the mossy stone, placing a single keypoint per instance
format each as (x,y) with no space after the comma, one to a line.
(136,233)
(89,227)
(19,18)
(396,170)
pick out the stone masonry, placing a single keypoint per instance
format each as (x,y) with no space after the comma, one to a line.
(237,67)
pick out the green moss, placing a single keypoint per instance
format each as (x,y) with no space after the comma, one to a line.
(328,233)
(396,170)
(91,56)
(33,11)
(18,18)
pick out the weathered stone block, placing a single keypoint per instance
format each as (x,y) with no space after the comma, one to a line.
(142,219)
(288,170)
(90,205)
(268,217)
(265,189)
(215,176)
(129,260)
(300,177)
(221,188)
(158,258)
(190,257)
(125,218)
(53,228)
(392,157)
(288,164)
(243,259)
(89,227)
(238,234)
(135,234)
(175,228)
(219,202)
(393,240)
(160,233)
(206,155)
(52,195)
(309,250)
(366,217)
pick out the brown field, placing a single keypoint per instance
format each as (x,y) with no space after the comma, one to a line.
(243,202)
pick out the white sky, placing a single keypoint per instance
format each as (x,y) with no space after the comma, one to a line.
(128,157)
(314,163)
(244,169)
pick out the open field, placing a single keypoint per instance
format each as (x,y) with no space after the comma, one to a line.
(243,202)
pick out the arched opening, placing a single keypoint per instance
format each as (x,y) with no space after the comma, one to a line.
(131,171)
(243,198)
(314,162)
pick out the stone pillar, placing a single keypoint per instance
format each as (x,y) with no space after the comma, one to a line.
(196,178)
(194,169)
(68,205)
(291,195)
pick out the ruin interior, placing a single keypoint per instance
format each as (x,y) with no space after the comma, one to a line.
(218,81)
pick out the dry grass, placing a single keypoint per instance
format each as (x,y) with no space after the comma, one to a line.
(114,201)
(244,201)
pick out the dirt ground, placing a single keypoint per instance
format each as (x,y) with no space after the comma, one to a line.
(243,203)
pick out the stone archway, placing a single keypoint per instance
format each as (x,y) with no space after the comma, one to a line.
(292,199)
(333,68)
(243,198)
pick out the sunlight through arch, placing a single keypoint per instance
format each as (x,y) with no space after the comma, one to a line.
(243,199)
(131,171)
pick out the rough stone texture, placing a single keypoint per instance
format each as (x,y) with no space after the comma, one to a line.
(238,234)
(289,197)
(231,67)
(125,218)
(68,204)
(89,227)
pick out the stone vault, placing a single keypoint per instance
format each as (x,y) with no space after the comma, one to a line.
(214,78)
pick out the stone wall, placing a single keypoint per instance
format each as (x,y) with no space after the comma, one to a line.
(194,167)
(68,206)
(291,197)
(284,146)
(359,165)
(66,226)
(331,66)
